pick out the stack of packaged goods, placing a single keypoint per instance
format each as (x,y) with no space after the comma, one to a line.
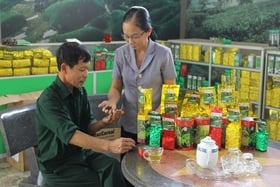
(229,56)
(190,52)
(253,88)
(223,112)
(169,111)
(244,91)
(103,59)
(217,56)
(157,128)
(53,65)
(5,65)
(273,81)
(273,123)
(144,107)
(210,111)
(100,59)
(273,100)
(15,62)
(26,62)
(41,61)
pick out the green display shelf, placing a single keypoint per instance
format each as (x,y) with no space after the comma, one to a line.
(25,84)
(103,80)
(2,145)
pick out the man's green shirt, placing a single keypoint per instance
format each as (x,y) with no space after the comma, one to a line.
(58,114)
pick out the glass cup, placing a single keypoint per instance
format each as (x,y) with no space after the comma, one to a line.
(231,161)
(153,154)
(251,165)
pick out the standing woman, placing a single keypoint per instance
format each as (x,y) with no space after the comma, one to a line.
(141,63)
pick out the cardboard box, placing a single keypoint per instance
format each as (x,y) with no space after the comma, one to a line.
(18,161)
(8,101)
(109,133)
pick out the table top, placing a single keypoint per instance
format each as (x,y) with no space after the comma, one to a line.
(172,170)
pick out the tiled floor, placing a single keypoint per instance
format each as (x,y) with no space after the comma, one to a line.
(9,176)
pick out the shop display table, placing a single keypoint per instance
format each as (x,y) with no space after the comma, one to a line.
(172,170)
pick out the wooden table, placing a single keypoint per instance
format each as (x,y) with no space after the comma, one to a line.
(172,170)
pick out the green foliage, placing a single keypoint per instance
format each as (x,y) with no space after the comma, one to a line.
(8,4)
(248,22)
(165,21)
(115,24)
(36,29)
(65,16)
(6,15)
(12,24)
(100,21)
(169,29)
(88,33)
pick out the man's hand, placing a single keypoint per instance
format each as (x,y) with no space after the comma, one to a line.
(113,116)
(121,145)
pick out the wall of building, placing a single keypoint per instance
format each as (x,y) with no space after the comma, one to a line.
(88,20)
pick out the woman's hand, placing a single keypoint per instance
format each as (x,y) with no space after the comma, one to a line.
(108,107)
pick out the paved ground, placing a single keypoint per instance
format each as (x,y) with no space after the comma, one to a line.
(9,176)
